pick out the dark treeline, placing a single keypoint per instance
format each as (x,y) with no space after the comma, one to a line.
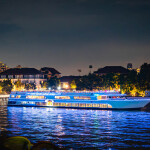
(132,83)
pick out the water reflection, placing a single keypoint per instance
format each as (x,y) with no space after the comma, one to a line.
(84,129)
(3,118)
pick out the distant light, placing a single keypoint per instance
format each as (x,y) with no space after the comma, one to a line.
(59,88)
(49,88)
(66,86)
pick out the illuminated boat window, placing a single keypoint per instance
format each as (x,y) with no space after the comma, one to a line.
(12,96)
(35,97)
(62,104)
(68,104)
(109,106)
(95,105)
(81,105)
(23,102)
(75,105)
(62,97)
(40,103)
(55,104)
(105,106)
(103,97)
(88,105)
(101,105)
(82,97)
(18,96)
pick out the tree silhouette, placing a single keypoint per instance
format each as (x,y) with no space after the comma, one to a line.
(90,66)
(79,70)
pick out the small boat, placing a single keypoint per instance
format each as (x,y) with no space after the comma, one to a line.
(78,100)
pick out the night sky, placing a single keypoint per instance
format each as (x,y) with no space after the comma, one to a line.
(73,34)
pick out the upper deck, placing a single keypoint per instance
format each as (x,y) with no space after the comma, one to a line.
(66,95)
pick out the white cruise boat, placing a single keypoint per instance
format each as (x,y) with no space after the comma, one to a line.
(80,100)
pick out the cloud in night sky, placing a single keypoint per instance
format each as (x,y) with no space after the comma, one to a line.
(73,34)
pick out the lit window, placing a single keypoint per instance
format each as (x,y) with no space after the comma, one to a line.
(10,76)
(35,97)
(3,76)
(103,97)
(82,97)
(55,104)
(68,104)
(62,97)
(75,105)
(109,106)
(62,104)
(95,105)
(88,105)
(18,96)
(103,106)
(81,105)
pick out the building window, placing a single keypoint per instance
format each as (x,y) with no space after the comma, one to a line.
(31,76)
(26,76)
(37,76)
(10,76)
(3,76)
(17,76)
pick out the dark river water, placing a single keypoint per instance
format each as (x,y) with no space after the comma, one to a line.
(79,129)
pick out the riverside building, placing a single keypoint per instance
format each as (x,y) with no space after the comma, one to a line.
(3,67)
(25,75)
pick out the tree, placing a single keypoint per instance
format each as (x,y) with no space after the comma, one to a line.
(90,66)
(88,82)
(144,77)
(73,85)
(1,87)
(19,86)
(7,86)
(79,70)
(30,86)
(53,83)
(44,85)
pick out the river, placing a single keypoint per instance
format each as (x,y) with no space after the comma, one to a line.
(79,129)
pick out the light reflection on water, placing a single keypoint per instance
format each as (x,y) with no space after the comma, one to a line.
(79,129)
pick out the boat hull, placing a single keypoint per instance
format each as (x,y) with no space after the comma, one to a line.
(87,108)
(101,105)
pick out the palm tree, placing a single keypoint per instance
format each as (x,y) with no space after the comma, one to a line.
(79,70)
(90,66)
